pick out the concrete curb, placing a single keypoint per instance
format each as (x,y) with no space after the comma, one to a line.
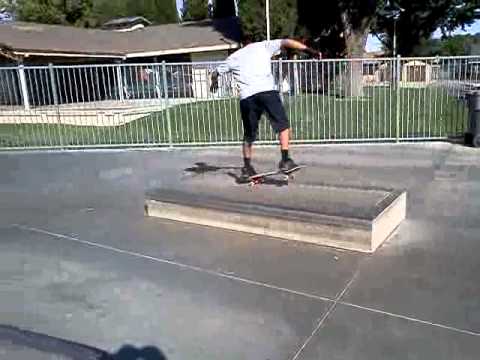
(346,232)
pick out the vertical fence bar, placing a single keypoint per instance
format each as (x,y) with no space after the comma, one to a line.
(397,96)
(119,82)
(167,111)
(53,84)
(280,89)
(335,96)
(23,87)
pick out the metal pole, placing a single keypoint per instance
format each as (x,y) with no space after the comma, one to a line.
(236,7)
(267,17)
(167,111)
(280,78)
(397,95)
(53,84)
(394,37)
(23,87)
(121,95)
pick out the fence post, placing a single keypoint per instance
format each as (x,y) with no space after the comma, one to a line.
(280,78)
(23,87)
(295,77)
(53,84)
(166,103)
(121,95)
(398,69)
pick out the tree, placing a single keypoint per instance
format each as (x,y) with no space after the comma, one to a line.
(157,11)
(342,28)
(77,12)
(223,8)
(104,10)
(195,10)
(283,18)
(343,25)
(41,11)
(9,5)
(421,18)
(89,13)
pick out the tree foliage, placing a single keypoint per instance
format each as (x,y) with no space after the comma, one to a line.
(283,18)
(421,18)
(342,26)
(157,11)
(223,8)
(42,11)
(194,10)
(89,13)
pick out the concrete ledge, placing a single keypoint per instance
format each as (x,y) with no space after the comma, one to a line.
(341,229)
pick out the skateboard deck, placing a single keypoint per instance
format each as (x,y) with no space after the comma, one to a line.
(260,177)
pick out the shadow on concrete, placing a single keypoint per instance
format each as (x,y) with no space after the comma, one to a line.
(19,344)
(129,352)
(202,168)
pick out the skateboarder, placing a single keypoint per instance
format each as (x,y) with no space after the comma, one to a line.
(252,69)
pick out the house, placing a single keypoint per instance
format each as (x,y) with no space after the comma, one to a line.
(31,43)
(121,41)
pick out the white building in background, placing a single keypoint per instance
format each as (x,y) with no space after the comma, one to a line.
(419,73)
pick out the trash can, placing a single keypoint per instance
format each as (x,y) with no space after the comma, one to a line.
(472,135)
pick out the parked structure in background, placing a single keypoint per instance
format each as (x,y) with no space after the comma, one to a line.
(6,16)
(131,23)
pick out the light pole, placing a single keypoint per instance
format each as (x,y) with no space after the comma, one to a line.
(395,18)
(393,11)
(267,17)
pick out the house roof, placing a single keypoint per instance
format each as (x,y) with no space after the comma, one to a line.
(26,39)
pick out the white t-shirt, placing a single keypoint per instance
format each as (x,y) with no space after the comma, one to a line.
(252,67)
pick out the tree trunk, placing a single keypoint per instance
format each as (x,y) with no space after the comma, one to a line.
(355,41)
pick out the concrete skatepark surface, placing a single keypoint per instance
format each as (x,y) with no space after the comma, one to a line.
(80,262)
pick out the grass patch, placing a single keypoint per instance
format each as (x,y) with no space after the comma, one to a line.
(427,112)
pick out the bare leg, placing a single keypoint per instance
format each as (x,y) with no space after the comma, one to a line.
(284,137)
(247,150)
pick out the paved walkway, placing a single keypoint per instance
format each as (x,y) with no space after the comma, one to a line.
(79,261)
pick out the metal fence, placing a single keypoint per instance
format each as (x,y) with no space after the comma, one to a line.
(171,104)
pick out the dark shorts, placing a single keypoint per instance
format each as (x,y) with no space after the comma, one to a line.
(254,106)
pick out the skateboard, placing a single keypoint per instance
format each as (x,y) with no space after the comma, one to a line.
(260,177)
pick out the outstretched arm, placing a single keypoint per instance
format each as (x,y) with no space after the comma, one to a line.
(297,45)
